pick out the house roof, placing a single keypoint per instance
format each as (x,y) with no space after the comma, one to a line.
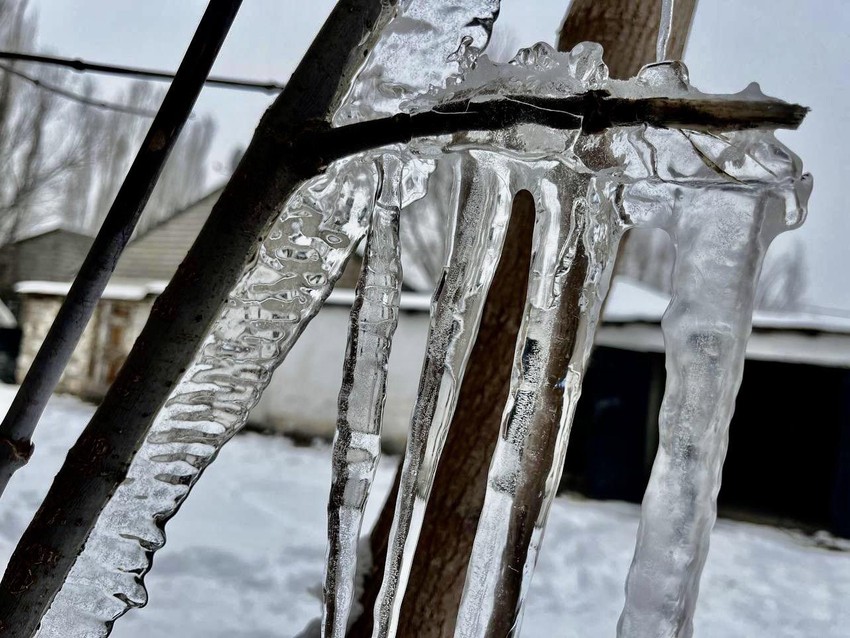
(631,301)
(46,227)
(155,255)
(634,311)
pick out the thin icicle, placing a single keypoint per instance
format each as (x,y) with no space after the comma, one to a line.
(485,202)
(299,261)
(665,28)
(574,251)
(357,445)
(721,229)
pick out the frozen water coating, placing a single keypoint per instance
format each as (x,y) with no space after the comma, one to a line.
(738,192)
(302,255)
(576,238)
(665,27)
(357,445)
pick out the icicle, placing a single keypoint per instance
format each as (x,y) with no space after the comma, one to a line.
(357,445)
(721,228)
(665,27)
(574,251)
(485,201)
(299,261)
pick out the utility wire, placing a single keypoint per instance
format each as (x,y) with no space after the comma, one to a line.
(150,74)
(76,97)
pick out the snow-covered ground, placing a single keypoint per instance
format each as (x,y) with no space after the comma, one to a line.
(244,557)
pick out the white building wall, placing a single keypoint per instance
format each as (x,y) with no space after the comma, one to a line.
(302,396)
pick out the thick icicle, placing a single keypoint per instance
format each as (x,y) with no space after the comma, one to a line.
(485,202)
(721,226)
(298,263)
(575,245)
(357,445)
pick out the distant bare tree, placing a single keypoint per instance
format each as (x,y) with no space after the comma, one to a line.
(120,135)
(34,158)
(61,159)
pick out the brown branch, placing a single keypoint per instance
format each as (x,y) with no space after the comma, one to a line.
(317,146)
(180,318)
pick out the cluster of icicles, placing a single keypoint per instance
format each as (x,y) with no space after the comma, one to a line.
(722,199)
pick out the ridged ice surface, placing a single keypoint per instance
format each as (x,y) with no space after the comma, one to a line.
(357,445)
(305,251)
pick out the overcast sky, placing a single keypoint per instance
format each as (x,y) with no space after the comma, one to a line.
(797,50)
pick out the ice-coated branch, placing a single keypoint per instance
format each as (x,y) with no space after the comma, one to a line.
(98,463)
(20,421)
(593,111)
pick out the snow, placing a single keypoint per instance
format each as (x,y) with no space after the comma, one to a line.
(245,555)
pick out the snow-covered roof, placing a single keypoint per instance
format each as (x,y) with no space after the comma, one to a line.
(631,301)
(119,291)
(46,226)
(634,312)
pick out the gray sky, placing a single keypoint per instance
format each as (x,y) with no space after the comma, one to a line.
(796,50)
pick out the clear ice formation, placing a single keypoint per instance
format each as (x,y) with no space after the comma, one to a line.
(722,198)
(304,253)
(357,445)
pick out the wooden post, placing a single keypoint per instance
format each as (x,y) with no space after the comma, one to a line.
(627,30)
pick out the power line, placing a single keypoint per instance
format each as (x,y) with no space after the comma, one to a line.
(76,97)
(150,74)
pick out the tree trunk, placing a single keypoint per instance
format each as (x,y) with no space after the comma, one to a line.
(628,32)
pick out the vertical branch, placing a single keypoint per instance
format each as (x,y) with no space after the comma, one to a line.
(19,424)
(181,317)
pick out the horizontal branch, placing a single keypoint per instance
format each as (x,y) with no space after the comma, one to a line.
(592,112)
